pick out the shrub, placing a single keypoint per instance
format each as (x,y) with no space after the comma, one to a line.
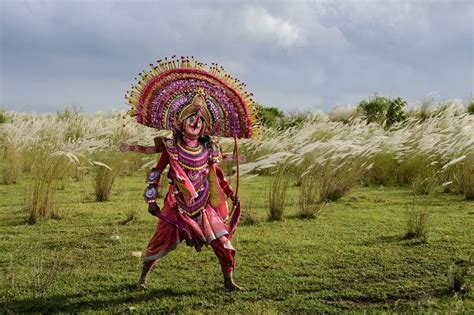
(278,193)
(375,109)
(425,181)
(269,116)
(75,130)
(396,111)
(228,167)
(291,122)
(424,112)
(457,175)
(449,108)
(132,162)
(301,168)
(383,110)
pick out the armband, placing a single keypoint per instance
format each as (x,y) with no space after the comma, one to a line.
(150,194)
(153,176)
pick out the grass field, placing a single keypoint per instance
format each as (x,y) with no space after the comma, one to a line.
(352,257)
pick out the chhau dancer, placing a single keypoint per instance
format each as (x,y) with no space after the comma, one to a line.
(195,103)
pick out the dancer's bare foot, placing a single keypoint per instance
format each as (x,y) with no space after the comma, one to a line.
(140,287)
(230,285)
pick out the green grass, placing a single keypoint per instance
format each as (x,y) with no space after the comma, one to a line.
(351,257)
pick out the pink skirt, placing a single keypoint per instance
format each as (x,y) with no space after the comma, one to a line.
(200,230)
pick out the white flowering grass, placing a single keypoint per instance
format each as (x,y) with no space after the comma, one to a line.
(342,113)
(442,137)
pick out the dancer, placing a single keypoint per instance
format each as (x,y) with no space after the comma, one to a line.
(195,104)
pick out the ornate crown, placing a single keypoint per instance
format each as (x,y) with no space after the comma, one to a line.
(175,89)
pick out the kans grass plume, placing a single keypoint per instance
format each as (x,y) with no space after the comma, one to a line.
(428,152)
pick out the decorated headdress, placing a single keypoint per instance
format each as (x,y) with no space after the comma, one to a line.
(174,89)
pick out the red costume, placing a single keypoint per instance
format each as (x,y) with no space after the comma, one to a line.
(194,103)
(199,221)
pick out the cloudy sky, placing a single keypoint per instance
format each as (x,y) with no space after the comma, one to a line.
(295,55)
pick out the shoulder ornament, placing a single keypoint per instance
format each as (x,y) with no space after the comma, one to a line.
(171,148)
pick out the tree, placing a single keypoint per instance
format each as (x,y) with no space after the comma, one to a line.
(383,110)
(375,109)
(396,111)
(269,116)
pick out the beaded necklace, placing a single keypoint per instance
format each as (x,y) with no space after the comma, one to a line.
(192,158)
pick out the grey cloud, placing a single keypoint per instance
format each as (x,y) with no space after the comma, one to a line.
(85,52)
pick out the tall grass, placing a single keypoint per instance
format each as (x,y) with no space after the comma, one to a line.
(104,178)
(470,107)
(419,171)
(47,172)
(3,116)
(416,223)
(384,168)
(278,193)
(336,178)
(132,213)
(466,177)
(12,163)
(440,135)
(309,202)
(342,114)
(108,165)
(458,276)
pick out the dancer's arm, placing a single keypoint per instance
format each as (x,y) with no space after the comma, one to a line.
(125,147)
(157,148)
(153,181)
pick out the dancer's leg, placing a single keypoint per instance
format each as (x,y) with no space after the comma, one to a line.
(225,253)
(144,276)
(165,239)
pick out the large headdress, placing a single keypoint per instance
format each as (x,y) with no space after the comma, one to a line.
(174,89)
